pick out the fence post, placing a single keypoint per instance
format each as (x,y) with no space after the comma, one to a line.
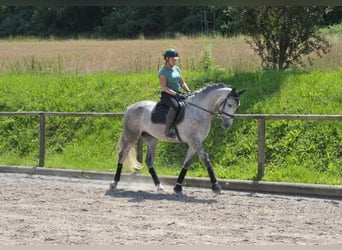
(261,146)
(42,140)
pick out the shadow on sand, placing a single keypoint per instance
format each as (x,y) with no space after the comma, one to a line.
(140,196)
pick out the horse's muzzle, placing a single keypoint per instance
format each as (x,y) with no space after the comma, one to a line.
(226,123)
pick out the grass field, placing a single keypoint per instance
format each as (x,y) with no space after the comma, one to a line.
(89,56)
(296,151)
(105,76)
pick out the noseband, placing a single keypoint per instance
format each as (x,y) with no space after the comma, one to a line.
(220,112)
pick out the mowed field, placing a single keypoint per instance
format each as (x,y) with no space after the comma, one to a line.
(88,56)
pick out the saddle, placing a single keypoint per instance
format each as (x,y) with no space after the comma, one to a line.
(160,111)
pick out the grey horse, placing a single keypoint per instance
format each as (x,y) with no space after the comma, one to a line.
(200,109)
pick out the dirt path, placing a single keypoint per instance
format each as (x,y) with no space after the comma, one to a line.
(56,210)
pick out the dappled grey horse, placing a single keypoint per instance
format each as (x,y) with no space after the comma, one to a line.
(200,109)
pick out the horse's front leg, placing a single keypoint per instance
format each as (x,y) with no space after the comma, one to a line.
(205,159)
(190,154)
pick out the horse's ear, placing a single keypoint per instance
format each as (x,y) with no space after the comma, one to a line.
(242,91)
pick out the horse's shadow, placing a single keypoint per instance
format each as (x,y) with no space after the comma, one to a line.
(140,196)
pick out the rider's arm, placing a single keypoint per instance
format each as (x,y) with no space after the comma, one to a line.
(183,85)
(163,85)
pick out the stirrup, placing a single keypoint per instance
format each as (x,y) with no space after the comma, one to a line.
(171,133)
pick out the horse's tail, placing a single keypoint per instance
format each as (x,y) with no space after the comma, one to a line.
(130,160)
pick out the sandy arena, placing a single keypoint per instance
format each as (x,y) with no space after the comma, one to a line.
(47,210)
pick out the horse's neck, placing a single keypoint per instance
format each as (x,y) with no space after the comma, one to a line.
(212,100)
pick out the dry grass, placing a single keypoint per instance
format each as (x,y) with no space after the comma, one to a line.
(87,56)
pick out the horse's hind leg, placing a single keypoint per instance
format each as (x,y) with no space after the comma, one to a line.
(151,149)
(125,144)
(118,169)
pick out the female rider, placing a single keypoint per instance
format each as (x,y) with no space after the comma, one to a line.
(171,82)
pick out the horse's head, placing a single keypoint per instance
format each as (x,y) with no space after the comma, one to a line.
(228,107)
(218,99)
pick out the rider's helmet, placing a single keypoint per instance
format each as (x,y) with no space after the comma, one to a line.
(171,53)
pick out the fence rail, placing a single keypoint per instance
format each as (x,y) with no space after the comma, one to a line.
(261,118)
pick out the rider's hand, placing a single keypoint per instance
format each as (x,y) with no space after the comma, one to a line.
(180,97)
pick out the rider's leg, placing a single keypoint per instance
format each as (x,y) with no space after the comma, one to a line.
(169,128)
(173,105)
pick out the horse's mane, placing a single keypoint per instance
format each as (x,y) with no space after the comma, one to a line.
(211,87)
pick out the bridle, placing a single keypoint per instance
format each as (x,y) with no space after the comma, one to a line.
(221,111)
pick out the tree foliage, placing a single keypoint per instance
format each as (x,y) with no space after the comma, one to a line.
(281,36)
(126,21)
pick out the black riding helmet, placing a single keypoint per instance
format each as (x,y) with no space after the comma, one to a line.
(171,53)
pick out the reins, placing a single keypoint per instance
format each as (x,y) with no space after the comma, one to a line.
(219,113)
(199,107)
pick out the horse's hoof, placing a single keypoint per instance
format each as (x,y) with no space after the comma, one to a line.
(113,185)
(178,188)
(216,188)
(160,188)
(136,169)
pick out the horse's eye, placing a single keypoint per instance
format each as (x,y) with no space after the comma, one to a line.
(229,105)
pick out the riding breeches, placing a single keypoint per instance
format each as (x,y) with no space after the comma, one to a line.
(169,100)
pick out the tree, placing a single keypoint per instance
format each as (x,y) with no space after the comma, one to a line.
(281,36)
(334,16)
(131,22)
(227,21)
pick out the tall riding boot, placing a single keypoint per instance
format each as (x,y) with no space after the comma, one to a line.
(169,129)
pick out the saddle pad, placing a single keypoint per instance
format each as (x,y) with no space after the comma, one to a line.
(159,113)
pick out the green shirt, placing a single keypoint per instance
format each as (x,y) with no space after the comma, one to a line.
(173,77)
